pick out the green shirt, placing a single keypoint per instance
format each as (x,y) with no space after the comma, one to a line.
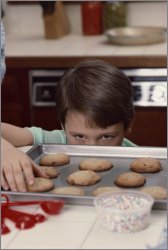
(59,136)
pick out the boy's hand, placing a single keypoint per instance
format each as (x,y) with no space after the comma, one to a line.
(16,168)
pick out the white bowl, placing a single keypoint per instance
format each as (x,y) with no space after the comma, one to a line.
(124,211)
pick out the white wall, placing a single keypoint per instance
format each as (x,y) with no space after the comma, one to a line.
(26,20)
(147,13)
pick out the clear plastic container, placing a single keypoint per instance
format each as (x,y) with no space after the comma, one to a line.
(124,211)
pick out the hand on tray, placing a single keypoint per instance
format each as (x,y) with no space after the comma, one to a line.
(17,168)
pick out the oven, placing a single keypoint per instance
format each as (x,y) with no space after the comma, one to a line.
(149,97)
(149,86)
(150,101)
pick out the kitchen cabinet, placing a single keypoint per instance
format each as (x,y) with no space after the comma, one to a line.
(150,125)
(15,102)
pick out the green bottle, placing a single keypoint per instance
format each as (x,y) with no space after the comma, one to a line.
(114,14)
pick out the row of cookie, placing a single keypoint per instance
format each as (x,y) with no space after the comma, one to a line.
(60,159)
(140,165)
(42,185)
(89,177)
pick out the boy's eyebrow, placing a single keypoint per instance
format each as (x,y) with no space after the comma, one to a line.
(109,133)
(72,132)
(101,134)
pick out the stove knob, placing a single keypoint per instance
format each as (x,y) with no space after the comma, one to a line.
(159,93)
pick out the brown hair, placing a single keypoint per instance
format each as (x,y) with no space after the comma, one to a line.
(99,91)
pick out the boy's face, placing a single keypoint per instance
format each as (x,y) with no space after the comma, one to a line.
(78,132)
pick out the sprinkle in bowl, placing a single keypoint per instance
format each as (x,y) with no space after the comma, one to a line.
(124,211)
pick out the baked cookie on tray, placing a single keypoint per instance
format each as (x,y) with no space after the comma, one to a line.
(96,165)
(130,180)
(57,159)
(40,185)
(68,191)
(157,192)
(145,165)
(50,171)
(101,190)
(83,178)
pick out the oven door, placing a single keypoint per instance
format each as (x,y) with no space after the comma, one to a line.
(42,87)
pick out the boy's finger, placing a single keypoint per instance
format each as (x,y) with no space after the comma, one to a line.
(28,171)
(9,176)
(19,179)
(38,171)
(4,184)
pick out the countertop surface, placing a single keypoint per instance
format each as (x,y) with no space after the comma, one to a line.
(77,227)
(75,45)
(36,52)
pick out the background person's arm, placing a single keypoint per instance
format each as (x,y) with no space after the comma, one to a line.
(15,135)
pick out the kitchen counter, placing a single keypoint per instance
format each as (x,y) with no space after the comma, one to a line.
(27,47)
(76,45)
(35,51)
(77,227)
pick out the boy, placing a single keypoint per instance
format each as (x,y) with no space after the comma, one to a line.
(95,107)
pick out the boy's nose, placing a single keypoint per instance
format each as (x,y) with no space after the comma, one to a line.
(92,142)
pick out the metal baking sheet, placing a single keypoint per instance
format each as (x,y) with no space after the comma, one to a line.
(121,158)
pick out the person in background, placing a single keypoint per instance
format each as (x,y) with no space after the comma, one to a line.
(10,156)
(94,106)
(3,66)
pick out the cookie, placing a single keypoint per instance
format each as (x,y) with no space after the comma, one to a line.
(130,180)
(40,185)
(101,190)
(50,171)
(68,191)
(57,159)
(95,164)
(157,192)
(83,177)
(146,165)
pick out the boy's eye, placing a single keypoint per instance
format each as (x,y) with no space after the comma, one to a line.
(107,137)
(79,137)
